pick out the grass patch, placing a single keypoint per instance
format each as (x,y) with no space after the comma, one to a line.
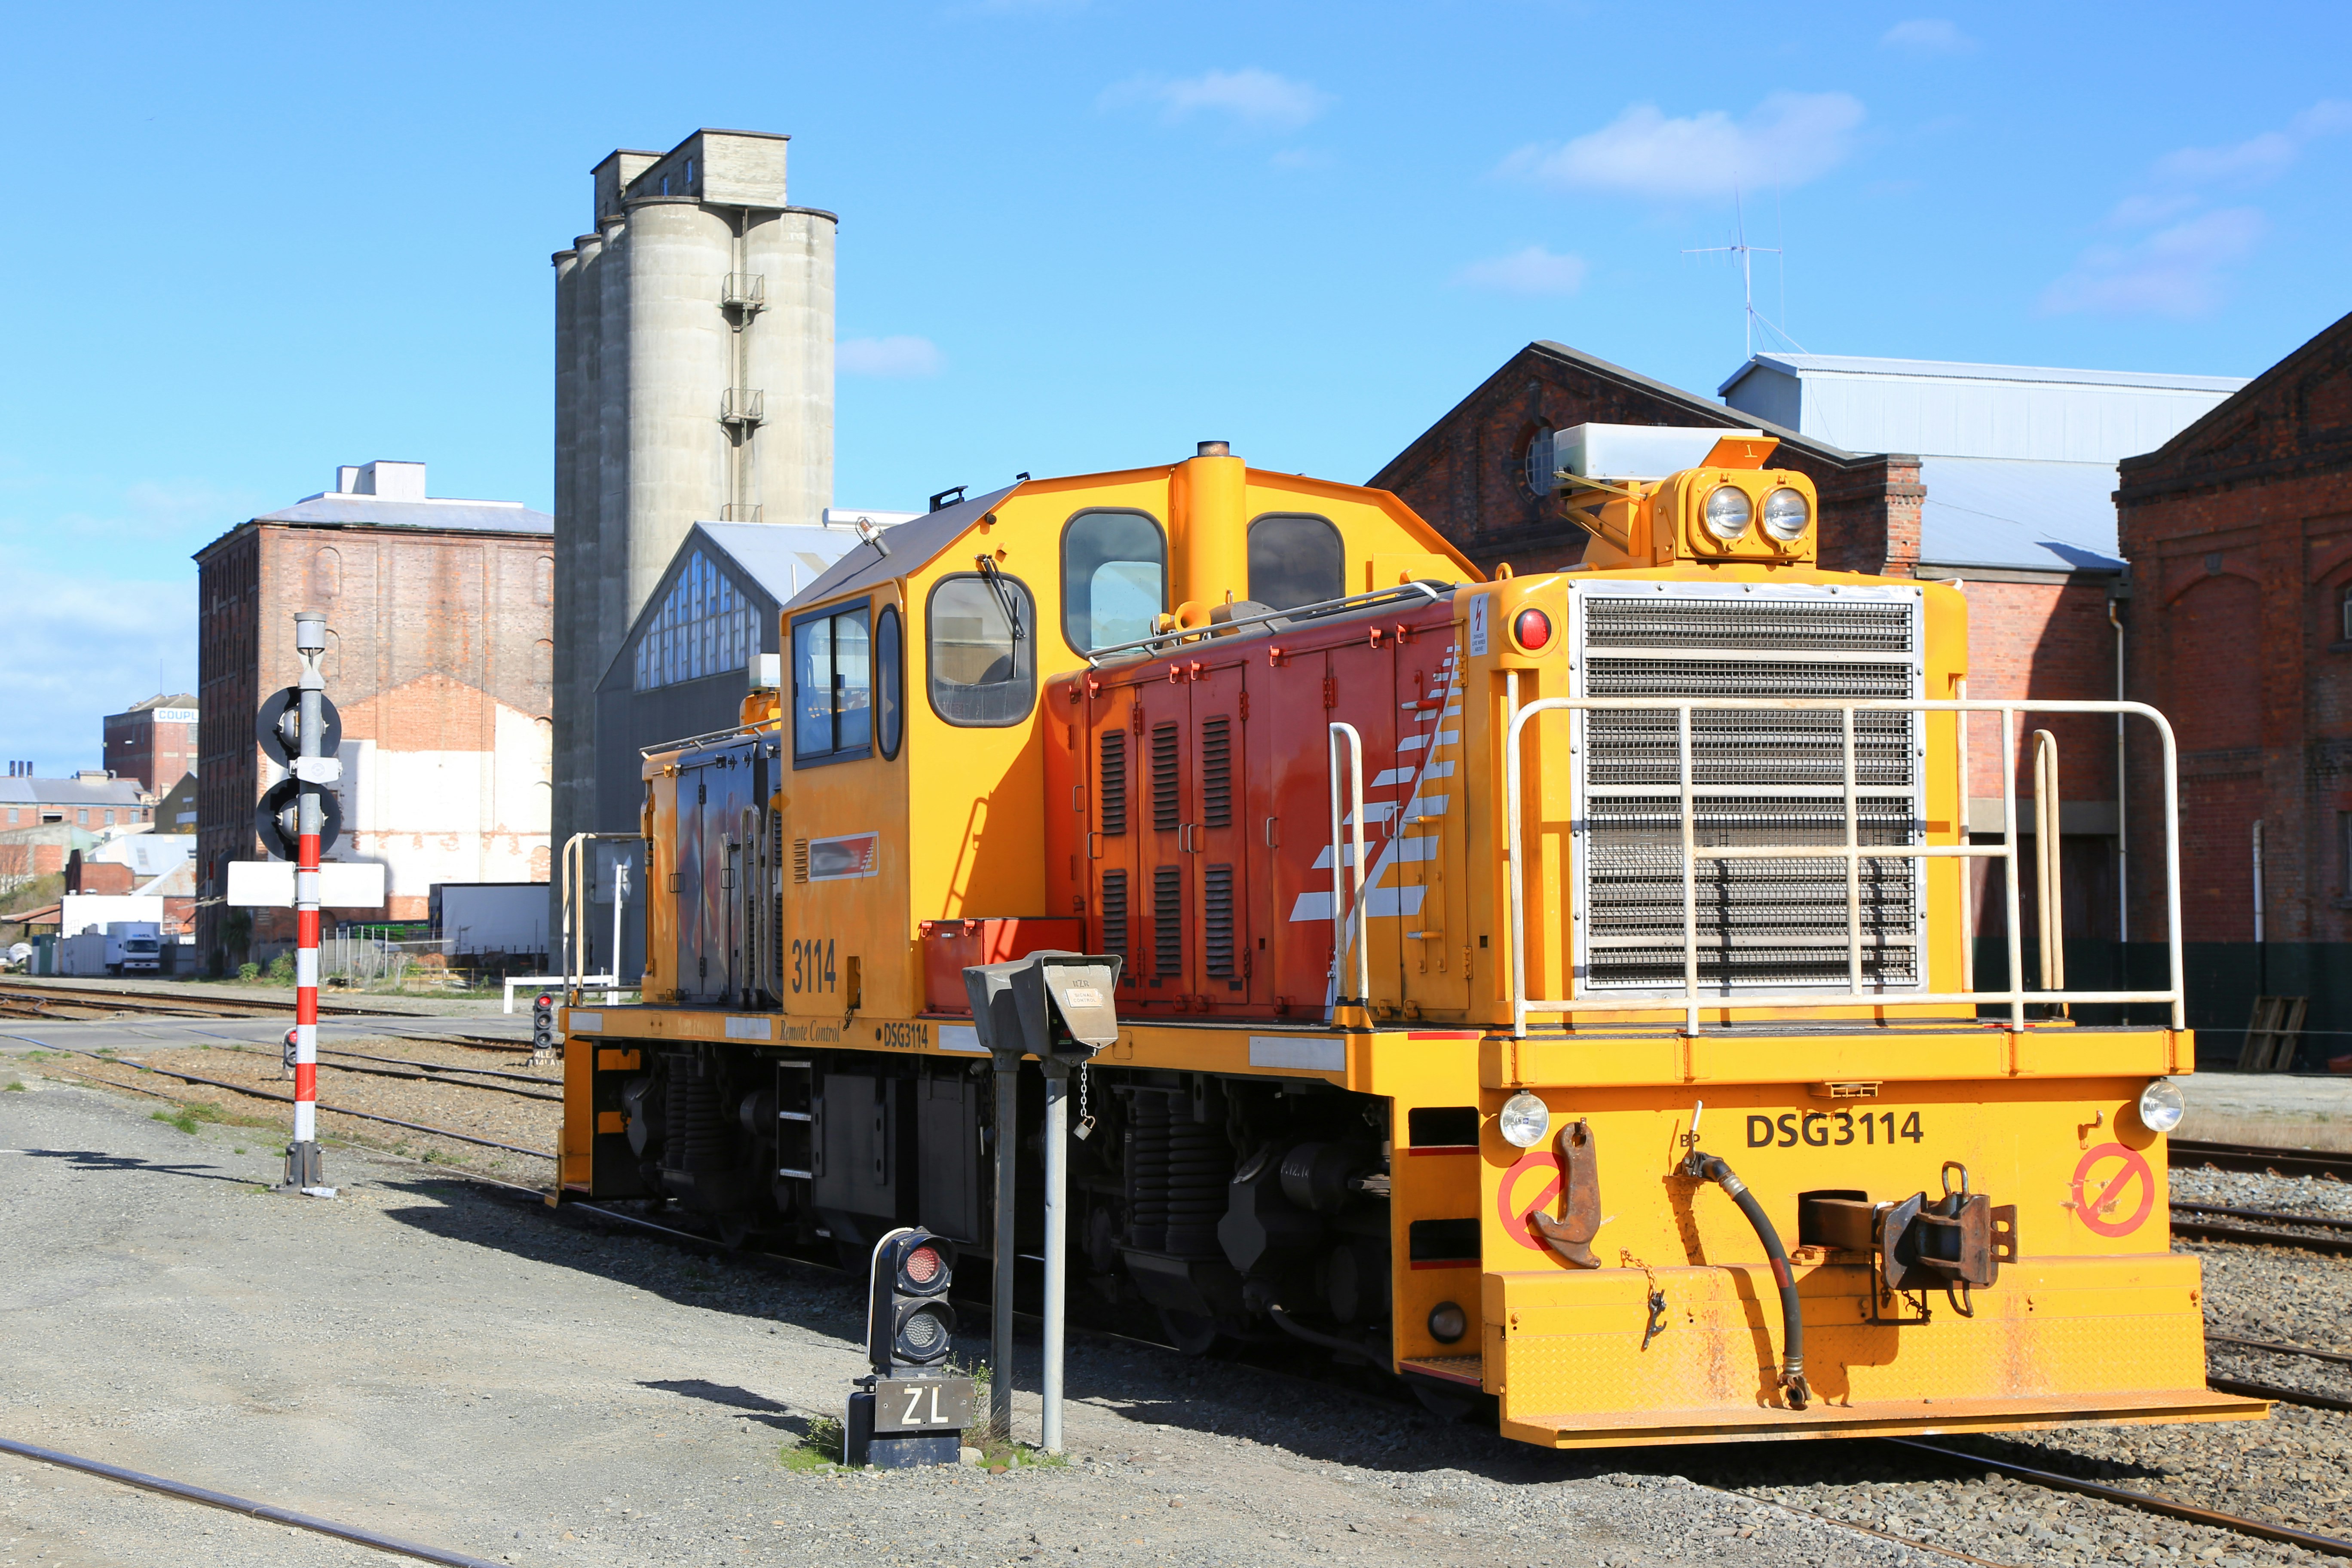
(187,1118)
(240,1149)
(17,1085)
(819,1448)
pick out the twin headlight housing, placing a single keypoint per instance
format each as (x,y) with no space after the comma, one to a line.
(1729,513)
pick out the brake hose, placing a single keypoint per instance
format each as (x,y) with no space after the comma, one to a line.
(1712,1168)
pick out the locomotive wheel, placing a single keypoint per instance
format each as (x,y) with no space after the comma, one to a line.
(1191,1333)
(1441,1404)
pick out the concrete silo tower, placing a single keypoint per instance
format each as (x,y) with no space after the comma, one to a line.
(693,382)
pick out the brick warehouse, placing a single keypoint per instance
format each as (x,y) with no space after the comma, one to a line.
(2017,511)
(2240,535)
(439,621)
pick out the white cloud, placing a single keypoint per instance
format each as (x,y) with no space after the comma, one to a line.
(1928,35)
(2176,271)
(1534,270)
(79,645)
(2257,160)
(1790,139)
(899,356)
(2179,264)
(1249,99)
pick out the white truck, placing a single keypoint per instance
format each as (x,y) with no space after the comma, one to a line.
(133,947)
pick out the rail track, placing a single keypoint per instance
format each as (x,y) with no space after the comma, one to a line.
(256,1094)
(20,1000)
(427,1072)
(2260,1160)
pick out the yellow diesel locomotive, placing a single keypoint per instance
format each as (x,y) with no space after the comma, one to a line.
(1554,987)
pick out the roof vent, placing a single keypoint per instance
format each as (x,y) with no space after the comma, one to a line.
(1216,450)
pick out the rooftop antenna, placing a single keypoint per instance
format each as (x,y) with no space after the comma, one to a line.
(1746,255)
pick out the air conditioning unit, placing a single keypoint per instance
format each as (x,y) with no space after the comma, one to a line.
(1616,453)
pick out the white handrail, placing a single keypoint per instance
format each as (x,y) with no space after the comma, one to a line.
(1356,814)
(1853,852)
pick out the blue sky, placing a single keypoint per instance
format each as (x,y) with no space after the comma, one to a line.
(244,245)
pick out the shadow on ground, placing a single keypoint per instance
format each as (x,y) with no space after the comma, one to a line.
(1275,1395)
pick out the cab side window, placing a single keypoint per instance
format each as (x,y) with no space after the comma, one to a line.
(980,643)
(1296,558)
(1114,578)
(832,687)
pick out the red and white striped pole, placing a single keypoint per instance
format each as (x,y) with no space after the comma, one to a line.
(303,1172)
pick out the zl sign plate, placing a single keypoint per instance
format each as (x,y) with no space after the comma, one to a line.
(922,1404)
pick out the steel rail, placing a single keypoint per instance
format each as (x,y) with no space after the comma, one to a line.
(289,1099)
(1691,1002)
(2337,1356)
(430,1066)
(2261,1160)
(2328,1544)
(2273,1391)
(2250,1235)
(2285,1216)
(127,1001)
(269,1511)
(447,1067)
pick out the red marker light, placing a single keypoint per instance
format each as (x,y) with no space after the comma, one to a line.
(923,1265)
(1532,628)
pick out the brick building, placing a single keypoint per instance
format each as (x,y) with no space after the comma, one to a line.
(1997,477)
(92,800)
(153,741)
(439,659)
(2238,531)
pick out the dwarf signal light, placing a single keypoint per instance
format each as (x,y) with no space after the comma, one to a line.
(543,1027)
(1531,629)
(910,1324)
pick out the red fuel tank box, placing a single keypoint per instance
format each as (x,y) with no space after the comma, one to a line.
(951,946)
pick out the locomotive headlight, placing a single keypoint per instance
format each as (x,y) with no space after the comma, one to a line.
(1525,1120)
(1727,511)
(2160,1106)
(1786,514)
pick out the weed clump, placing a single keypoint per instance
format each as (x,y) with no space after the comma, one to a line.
(818,1449)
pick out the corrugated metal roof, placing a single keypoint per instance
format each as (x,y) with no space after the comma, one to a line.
(1954,370)
(2007,513)
(494,517)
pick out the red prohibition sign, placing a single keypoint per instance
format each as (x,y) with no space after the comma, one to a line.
(1513,1215)
(2091,1211)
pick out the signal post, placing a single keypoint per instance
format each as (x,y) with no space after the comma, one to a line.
(312,766)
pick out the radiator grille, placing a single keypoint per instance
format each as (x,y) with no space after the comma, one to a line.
(1167,922)
(1217,931)
(1167,799)
(1113,782)
(1758,778)
(1114,913)
(1217,771)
